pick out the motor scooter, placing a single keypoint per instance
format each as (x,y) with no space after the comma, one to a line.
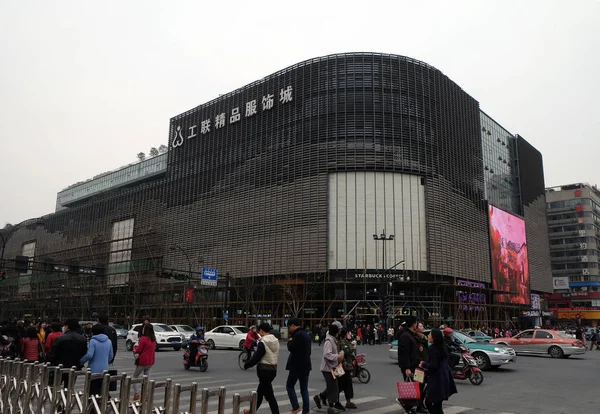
(201,357)
(359,371)
(468,369)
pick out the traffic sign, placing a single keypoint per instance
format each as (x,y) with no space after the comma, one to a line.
(209,277)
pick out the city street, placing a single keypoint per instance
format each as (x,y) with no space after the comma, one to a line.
(532,385)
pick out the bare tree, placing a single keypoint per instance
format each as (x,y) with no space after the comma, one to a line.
(296,291)
(162,149)
(153,152)
(250,294)
(141,156)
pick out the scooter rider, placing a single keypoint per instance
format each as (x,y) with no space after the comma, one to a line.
(198,336)
(453,348)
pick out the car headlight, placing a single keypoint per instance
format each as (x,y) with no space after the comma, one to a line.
(501,350)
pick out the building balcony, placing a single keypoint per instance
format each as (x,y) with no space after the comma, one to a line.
(568,246)
(565,259)
(563,221)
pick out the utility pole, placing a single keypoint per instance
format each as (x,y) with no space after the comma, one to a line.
(383,238)
(189,283)
(226,298)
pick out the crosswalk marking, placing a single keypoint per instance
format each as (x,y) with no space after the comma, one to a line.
(228,401)
(455,409)
(286,402)
(383,410)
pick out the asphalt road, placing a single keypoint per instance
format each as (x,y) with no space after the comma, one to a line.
(532,385)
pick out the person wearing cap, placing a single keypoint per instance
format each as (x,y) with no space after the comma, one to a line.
(298,365)
(265,358)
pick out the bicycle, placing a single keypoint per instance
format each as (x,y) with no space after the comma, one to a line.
(243,357)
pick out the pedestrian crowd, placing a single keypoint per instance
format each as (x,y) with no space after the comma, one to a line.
(339,351)
(431,354)
(71,345)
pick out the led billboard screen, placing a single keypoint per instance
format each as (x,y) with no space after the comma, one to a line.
(510,266)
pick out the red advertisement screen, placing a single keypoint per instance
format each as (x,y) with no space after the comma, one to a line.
(510,266)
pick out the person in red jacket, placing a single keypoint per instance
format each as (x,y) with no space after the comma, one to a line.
(30,347)
(251,338)
(56,332)
(145,356)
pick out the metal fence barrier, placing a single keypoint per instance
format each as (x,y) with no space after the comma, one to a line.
(34,388)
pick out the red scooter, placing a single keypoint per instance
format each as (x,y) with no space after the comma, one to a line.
(468,368)
(201,356)
(359,371)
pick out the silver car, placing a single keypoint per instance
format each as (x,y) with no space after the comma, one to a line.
(184,330)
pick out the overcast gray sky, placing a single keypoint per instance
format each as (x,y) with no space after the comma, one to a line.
(85,86)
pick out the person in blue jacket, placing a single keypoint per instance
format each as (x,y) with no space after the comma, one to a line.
(99,353)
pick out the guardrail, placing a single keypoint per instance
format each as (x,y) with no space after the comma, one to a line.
(36,388)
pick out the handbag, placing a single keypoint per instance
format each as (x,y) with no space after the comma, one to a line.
(338,372)
(409,390)
(419,375)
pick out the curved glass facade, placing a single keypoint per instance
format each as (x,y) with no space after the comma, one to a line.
(290,177)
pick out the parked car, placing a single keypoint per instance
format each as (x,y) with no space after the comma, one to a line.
(479,336)
(226,336)
(121,332)
(486,355)
(185,330)
(543,342)
(165,337)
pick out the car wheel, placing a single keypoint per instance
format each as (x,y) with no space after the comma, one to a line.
(487,341)
(129,346)
(556,352)
(241,344)
(483,361)
(177,348)
(211,344)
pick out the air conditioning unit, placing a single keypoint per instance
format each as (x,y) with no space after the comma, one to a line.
(584,259)
(585,271)
(582,232)
(583,246)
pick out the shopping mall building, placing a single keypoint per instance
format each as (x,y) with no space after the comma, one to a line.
(354,184)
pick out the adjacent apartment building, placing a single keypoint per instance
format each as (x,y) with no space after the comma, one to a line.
(574,230)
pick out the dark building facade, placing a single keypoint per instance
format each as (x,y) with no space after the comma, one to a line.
(281,185)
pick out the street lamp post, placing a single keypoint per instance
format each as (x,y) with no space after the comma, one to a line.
(383,238)
(178,247)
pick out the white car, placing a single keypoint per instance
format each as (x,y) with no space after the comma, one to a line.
(166,337)
(226,336)
(185,330)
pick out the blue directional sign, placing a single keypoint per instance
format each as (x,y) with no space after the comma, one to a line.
(209,277)
(226,316)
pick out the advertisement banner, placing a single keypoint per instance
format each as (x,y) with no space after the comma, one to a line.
(189,295)
(510,263)
(561,283)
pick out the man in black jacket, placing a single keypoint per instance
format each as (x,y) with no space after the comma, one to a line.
(69,348)
(299,365)
(408,351)
(110,332)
